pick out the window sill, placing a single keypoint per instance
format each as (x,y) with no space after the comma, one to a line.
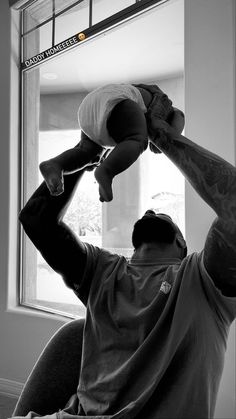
(36,312)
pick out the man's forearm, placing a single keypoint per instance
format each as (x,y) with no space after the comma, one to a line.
(42,207)
(42,221)
(213,178)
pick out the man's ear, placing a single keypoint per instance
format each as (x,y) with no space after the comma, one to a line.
(182,244)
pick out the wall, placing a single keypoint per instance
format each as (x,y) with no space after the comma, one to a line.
(209,41)
(210,121)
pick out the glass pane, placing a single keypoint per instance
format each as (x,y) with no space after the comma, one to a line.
(37,41)
(105,8)
(60,5)
(37,13)
(42,10)
(72,22)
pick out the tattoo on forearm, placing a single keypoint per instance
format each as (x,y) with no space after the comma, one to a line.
(213,178)
(215,181)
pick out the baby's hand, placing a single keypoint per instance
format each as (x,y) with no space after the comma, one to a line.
(158,127)
(153,148)
(97,161)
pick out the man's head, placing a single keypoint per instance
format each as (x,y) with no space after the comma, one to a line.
(158,229)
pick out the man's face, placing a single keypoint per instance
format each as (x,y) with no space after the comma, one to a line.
(159,228)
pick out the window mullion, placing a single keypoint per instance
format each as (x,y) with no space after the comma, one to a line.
(90,13)
(53,23)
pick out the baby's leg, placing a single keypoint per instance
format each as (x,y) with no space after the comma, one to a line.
(68,162)
(121,157)
(127,126)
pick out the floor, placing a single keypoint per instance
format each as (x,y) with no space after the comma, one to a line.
(7,405)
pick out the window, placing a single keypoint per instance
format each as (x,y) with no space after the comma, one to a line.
(52,91)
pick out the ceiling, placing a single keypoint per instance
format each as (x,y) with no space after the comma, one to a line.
(145,49)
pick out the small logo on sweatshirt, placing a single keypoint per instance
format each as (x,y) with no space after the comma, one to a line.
(165,287)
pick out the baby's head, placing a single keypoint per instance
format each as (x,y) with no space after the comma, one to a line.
(176,119)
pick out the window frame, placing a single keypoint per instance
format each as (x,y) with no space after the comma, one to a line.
(139,6)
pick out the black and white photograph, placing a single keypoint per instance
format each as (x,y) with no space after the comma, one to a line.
(118,209)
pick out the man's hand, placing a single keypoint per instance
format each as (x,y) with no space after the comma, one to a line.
(160,107)
(159,133)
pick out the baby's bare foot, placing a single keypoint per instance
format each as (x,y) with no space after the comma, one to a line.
(104,181)
(53,176)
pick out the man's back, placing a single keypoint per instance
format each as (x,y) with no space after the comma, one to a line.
(152,338)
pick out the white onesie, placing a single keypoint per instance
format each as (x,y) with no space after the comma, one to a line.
(96,107)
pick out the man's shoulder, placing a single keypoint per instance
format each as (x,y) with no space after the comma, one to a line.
(108,254)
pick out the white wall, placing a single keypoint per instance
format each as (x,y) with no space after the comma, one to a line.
(210,121)
(210,76)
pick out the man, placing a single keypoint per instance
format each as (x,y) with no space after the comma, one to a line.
(156,326)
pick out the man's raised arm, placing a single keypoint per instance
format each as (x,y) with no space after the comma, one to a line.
(214,179)
(42,220)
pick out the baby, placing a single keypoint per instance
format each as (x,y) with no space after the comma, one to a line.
(115,117)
